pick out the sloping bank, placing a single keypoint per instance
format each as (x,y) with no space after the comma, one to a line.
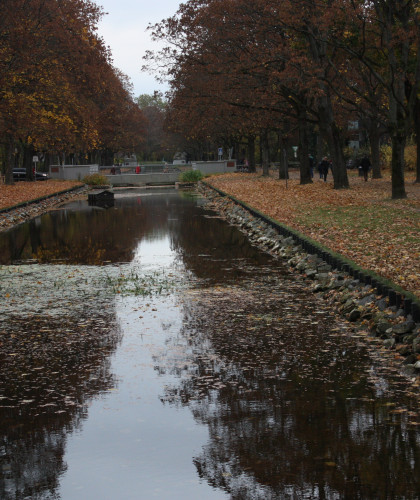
(368,302)
(17,214)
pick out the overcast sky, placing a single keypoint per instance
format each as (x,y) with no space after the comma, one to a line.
(124,31)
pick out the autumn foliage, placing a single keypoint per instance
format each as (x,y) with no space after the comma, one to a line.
(361,223)
(296,68)
(59,92)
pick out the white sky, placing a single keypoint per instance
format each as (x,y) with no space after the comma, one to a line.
(124,31)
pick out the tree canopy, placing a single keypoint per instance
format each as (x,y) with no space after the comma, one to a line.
(59,91)
(303,64)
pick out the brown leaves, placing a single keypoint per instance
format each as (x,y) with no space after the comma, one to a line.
(361,223)
(25,191)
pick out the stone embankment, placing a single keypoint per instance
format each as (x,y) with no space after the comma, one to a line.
(16,215)
(357,302)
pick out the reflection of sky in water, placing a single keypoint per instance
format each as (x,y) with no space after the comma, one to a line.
(152,252)
(283,389)
(133,446)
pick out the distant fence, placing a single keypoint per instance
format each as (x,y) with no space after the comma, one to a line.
(214,167)
(72,172)
(162,173)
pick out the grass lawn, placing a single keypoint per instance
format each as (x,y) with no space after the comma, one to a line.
(361,223)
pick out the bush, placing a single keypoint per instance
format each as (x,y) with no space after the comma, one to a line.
(191,176)
(410,155)
(95,180)
(386,156)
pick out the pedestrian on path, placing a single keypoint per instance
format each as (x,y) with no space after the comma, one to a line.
(323,168)
(365,165)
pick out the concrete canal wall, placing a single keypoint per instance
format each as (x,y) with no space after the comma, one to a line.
(72,172)
(142,179)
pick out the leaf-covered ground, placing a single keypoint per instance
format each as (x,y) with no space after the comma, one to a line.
(362,223)
(24,191)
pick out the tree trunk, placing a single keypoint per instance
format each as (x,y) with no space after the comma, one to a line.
(10,149)
(28,152)
(397,127)
(417,130)
(374,139)
(331,133)
(398,186)
(251,153)
(305,171)
(327,123)
(339,170)
(283,168)
(107,158)
(47,162)
(265,153)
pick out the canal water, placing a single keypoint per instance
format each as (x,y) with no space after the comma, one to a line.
(149,351)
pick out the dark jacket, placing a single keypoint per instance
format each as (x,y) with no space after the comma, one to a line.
(365,163)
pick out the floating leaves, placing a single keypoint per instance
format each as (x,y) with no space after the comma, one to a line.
(134,282)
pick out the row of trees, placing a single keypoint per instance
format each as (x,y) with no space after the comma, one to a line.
(246,69)
(59,92)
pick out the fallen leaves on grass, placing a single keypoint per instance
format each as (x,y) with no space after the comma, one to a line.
(361,223)
(25,191)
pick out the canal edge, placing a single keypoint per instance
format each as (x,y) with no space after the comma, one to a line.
(396,295)
(27,210)
(359,303)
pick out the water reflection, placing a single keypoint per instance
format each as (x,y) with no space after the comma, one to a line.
(293,408)
(80,234)
(238,384)
(49,370)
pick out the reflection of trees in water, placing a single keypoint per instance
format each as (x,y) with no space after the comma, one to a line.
(49,370)
(212,249)
(291,408)
(88,235)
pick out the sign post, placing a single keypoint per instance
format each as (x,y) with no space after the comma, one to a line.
(35,160)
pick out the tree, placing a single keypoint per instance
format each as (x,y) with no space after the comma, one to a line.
(153,108)
(386,48)
(301,60)
(57,80)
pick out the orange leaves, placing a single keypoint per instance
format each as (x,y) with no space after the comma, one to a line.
(25,191)
(57,81)
(361,223)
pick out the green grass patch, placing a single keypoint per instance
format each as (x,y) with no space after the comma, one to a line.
(191,176)
(95,180)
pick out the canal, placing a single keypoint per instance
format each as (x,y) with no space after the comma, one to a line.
(149,351)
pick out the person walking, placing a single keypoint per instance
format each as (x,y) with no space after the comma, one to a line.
(323,168)
(320,169)
(365,165)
